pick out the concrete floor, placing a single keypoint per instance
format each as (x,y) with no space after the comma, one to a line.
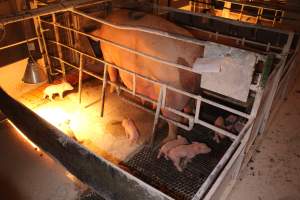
(274,171)
(29,174)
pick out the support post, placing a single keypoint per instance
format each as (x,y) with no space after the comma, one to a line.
(59,50)
(103,90)
(157,113)
(49,67)
(80,77)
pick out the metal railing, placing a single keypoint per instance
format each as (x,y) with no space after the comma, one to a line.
(161,101)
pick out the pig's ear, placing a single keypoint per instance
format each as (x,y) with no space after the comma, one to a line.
(195,143)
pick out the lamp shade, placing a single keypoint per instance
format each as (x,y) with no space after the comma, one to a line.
(33,73)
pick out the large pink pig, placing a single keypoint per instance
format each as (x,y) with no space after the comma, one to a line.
(165,48)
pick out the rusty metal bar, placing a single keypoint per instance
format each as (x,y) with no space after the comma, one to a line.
(62,6)
(45,47)
(59,50)
(18,43)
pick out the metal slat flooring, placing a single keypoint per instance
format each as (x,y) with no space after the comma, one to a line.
(161,174)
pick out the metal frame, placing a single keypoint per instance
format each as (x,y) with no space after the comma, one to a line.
(239,141)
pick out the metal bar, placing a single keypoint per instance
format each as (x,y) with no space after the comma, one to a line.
(85,71)
(49,67)
(217,129)
(18,43)
(242,114)
(42,48)
(228,166)
(157,113)
(171,88)
(142,29)
(91,4)
(211,178)
(127,49)
(80,77)
(42,11)
(235,38)
(59,50)
(102,98)
(228,21)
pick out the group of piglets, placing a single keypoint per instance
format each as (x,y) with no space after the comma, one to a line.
(232,123)
(181,152)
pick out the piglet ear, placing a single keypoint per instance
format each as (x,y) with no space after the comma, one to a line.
(195,143)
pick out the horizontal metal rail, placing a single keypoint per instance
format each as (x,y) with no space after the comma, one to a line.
(18,43)
(142,29)
(191,119)
(245,115)
(199,99)
(228,21)
(62,6)
(126,48)
(241,40)
(165,34)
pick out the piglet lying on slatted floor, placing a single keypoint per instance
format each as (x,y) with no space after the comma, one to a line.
(181,152)
(164,150)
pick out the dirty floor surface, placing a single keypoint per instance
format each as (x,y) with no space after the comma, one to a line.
(274,171)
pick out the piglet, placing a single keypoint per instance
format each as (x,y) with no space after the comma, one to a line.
(164,150)
(186,153)
(132,133)
(57,89)
(219,123)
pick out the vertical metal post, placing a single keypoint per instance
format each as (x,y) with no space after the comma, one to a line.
(49,67)
(157,112)
(275,17)
(102,98)
(59,50)
(80,77)
(241,12)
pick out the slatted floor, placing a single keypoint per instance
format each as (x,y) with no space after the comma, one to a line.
(161,173)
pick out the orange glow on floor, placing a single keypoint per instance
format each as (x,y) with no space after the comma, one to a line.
(22,134)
